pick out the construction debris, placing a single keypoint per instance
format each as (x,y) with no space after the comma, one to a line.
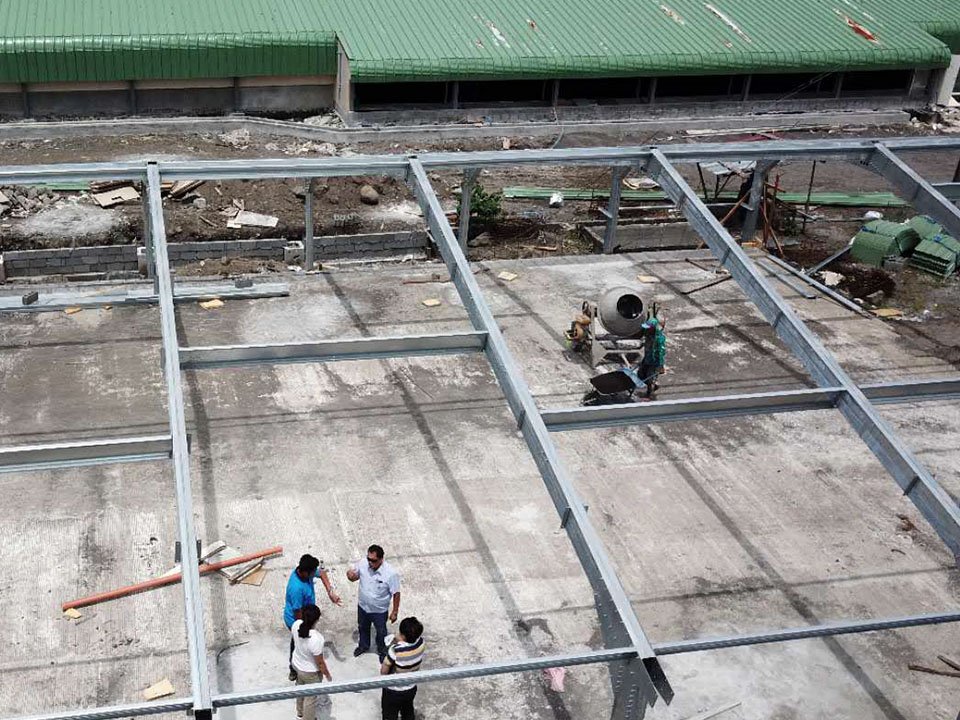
(647,279)
(72,614)
(937,252)
(182,187)
(213,304)
(556,200)
(164,688)
(170,578)
(116,197)
(933,671)
(254,578)
(369,195)
(878,240)
(247,218)
(507,275)
(888,312)
(72,310)
(432,302)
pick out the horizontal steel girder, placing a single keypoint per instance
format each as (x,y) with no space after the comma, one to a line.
(396,165)
(332,350)
(56,301)
(846,627)
(909,185)
(22,458)
(156,707)
(933,502)
(589,657)
(745,404)
(425,676)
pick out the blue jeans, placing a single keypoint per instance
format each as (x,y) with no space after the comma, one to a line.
(379,621)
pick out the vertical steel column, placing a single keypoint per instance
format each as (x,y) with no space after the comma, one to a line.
(758,185)
(308,226)
(934,503)
(914,189)
(613,210)
(196,644)
(466,197)
(635,682)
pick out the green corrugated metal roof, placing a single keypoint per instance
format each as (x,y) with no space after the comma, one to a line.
(940,18)
(429,39)
(76,40)
(101,40)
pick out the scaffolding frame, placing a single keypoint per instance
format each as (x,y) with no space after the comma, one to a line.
(637,678)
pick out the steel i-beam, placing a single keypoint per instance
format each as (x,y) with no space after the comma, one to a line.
(24,458)
(332,350)
(635,683)
(934,503)
(914,189)
(196,645)
(745,404)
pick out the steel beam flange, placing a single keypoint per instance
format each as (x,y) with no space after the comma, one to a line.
(933,502)
(636,687)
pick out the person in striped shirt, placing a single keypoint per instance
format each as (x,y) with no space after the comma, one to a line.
(403,656)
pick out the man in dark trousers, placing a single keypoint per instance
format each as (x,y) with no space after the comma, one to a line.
(403,656)
(300,593)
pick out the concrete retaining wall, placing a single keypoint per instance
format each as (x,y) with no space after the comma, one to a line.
(72,261)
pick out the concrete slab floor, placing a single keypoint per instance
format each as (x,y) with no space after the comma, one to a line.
(718,527)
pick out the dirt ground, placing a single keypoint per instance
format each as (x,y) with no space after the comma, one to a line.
(930,306)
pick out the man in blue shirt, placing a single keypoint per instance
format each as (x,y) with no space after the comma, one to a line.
(300,593)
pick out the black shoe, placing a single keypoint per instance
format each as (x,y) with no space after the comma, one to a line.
(357,652)
(293,675)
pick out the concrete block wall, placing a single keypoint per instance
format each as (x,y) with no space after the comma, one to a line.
(73,261)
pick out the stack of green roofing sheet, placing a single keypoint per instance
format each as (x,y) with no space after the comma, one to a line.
(938,252)
(880,239)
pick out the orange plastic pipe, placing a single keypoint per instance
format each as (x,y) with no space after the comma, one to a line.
(167,579)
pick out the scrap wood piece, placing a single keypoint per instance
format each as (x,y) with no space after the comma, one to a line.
(169,579)
(208,222)
(72,614)
(933,671)
(432,302)
(182,187)
(102,186)
(947,661)
(255,578)
(161,689)
(72,310)
(432,278)
(213,304)
(507,275)
(887,312)
(115,197)
(648,279)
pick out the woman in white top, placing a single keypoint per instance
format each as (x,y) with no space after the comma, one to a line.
(308,658)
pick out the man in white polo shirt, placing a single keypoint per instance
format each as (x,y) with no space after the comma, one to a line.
(379,584)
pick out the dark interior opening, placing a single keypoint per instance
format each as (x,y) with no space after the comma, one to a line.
(629,306)
(491,92)
(699,86)
(371,95)
(605,89)
(794,85)
(872,81)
